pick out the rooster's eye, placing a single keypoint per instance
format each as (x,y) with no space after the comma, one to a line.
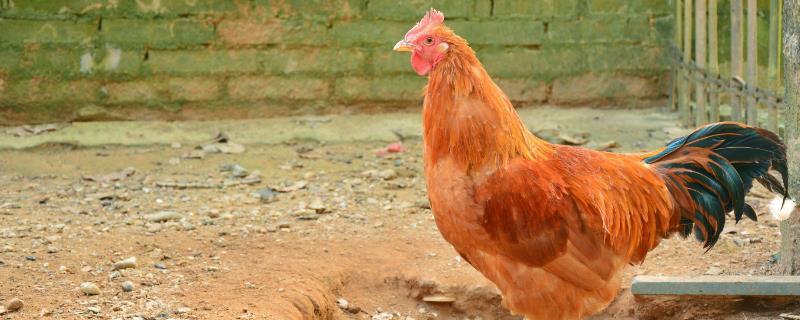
(428,40)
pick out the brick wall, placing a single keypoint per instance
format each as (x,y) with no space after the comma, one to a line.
(178,59)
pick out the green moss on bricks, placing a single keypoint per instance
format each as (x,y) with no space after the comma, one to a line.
(204,61)
(67,9)
(314,9)
(244,32)
(397,88)
(17,33)
(313,60)
(412,10)
(625,6)
(369,32)
(645,60)
(605,29)
(545,64)
(249,88)
(539,8)
(500,32)
(128,33)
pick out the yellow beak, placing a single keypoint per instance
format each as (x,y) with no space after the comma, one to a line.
(403,46)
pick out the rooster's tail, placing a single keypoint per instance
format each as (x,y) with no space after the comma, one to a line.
(710,171)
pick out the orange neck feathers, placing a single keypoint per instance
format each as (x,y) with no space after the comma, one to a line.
(467,117)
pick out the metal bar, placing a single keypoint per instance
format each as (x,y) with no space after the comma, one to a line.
(717,286)
(772,65)
(701,116)
(713,65)
(686,111)
(736,56)
(752,61)
(677,79)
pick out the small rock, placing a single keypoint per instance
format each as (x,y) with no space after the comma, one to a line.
(94,309)
(183,310)
(317,206)
(52,249)
(283,224)
(439,299)
(160,266)
(713,271)
(238,171)
(342,303)
(383,316)
(90,289)
(127,286)
(163,216)
(423,204)
(387,174)
(30,258)
(267,195)
(13,305)
(124,264)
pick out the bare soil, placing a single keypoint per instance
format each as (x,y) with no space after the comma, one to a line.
(358,230)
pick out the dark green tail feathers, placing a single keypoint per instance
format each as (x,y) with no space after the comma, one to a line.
(710,171)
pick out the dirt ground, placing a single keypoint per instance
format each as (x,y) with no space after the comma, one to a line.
(321,231)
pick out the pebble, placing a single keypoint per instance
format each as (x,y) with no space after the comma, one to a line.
(94,309)
(124,264)
(127,286)
(14,304)
(52,249)
(183,310)
(160,266)
(267,195)
(163,216)
(30,258)
(89,289)
(387,174)
(713,271)
(318,206)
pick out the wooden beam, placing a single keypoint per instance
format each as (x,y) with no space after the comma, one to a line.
(701,116)
(676,72)
(737,54)
(686,111)
(773,60)
(752,61)
(713,64)
(717,286)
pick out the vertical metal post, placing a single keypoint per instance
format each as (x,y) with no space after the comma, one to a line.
(737,55)
(701,117)
(772,66)
(686,111)
(752,62)
(713,65)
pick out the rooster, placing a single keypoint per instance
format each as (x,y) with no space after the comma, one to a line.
(552,226)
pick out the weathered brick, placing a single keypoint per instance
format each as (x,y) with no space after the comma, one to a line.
(18,32)
(203,61)
(413,10)
(662,29)
(43,90)
(386,60)
(369,32)
(627,57)
(258,88)
(183,7)
(594,87)
(523,90)
(398,88)
(607,29)
(37,61)
(143,91)
(272,31)
(500,32)
(148,8)
(193,89)
(625,6)
(175,33)
(538,8)
(539,64)
(324,9)
(315,60)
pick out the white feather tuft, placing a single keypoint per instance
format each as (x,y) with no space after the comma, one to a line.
(781,210)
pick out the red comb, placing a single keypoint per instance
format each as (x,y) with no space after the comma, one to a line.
(431,19)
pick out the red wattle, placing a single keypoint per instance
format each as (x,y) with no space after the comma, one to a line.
(419,64)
